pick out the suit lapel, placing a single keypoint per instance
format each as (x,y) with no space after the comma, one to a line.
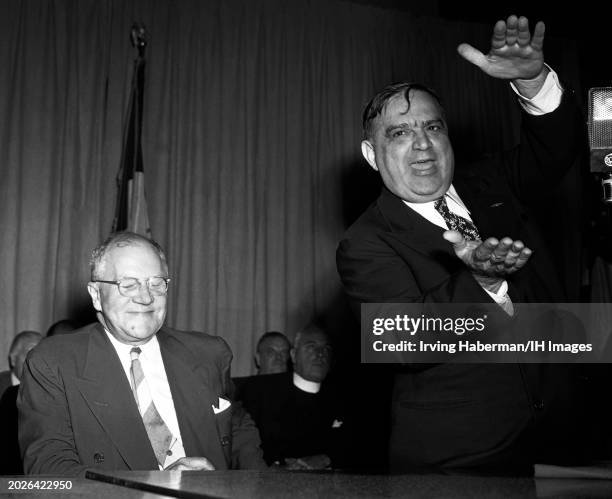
(107,392)
(193,399)
(412,229)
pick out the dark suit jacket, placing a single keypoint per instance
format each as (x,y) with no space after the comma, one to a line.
(456,414)
(10,457)
(294,423)
(77,410)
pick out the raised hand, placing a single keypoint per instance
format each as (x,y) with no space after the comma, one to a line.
(514,53)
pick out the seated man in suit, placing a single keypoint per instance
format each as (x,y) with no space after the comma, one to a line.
(491,416)
(128,393)
(10,458)
(272,353)
(299,414)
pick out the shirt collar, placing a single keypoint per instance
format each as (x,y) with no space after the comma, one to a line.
(124,349)
(450,193)
(305,385)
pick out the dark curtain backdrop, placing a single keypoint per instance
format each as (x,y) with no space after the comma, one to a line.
(251,147)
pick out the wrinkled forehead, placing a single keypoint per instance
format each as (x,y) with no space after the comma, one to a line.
(421,104)
(134,256)
(313,338)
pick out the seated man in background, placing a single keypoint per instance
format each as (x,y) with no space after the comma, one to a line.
(10,458)
(299,414)
(22,343)
(127,392)
(272,353)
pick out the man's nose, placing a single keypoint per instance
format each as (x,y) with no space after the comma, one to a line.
(144,296)
(421,140)
(321,352)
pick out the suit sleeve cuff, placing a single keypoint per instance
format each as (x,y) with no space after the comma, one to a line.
(502,298)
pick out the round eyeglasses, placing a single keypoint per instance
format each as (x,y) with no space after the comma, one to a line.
(130,286)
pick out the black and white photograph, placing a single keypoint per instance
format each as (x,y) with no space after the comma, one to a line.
(305,248)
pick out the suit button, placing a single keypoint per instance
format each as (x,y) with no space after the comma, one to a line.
(98,458)
(225,440)
(539,405)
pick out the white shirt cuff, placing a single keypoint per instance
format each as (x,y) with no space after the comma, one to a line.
(502,298)
(546,100)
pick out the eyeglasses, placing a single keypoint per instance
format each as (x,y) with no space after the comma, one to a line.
(130,286)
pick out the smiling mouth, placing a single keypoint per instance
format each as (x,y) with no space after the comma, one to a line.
(423,167)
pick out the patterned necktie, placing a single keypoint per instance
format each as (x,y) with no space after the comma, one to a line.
(159,434)
(455,222)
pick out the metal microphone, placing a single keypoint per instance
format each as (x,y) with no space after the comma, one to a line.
(600,136)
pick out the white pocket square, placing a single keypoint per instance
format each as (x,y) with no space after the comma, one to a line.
(222,405)
(337,423)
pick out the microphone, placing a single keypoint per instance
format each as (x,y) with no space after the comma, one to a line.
(600,136)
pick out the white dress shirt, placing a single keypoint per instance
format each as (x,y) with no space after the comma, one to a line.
(155,376)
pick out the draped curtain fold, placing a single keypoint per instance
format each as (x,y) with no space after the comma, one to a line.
(250,142)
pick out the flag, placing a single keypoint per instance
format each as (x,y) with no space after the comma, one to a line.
(131,209)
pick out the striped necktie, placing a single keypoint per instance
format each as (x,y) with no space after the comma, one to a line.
(456,222)
(159,434)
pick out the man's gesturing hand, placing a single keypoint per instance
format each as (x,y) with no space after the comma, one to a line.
(514,53)
(491,259)
(190,464)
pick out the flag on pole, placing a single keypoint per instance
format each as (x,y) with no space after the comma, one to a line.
(131,209)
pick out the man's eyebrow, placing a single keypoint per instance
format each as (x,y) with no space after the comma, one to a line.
(405,125)
(396,126)
(433,121)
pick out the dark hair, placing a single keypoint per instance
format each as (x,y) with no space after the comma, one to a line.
(124,238)
(380,100)
(271,334)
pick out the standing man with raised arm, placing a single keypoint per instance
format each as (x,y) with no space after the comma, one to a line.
(433,236)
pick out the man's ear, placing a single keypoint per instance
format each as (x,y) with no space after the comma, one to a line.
(292,355)
(367,149)
(94,292)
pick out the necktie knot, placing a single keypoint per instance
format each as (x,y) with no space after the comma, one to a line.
(135,353)
(456,222)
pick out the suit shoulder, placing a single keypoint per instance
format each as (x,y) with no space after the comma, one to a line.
(64,345)
(368,223)
(199,343)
